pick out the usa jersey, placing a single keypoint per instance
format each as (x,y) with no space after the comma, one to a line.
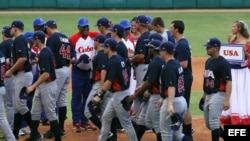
(2,70)
(217,72)
(117,73)
(61,48)
(172,76)
(6,48)
(83,45)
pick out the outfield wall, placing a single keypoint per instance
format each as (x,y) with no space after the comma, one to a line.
(122,4)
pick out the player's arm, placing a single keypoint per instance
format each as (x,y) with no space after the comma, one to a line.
(103,75)
(20,62)
(170,99)
(184,64)
(142,89)
(137,58)
(42,78)
(226,104)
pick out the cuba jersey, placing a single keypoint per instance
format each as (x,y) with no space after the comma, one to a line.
(172,76)
(217,72)
(153,74)
(61,48)
(3,68)
(83,45)
(129,44)
(20,49)
(117,73)
(45,63)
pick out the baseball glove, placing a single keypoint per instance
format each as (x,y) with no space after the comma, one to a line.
(94,108)
(24,95)
(126,103)
(176,121)
(201,104)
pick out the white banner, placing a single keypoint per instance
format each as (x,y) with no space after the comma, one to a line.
(233,52)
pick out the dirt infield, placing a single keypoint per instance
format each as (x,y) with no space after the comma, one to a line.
(201,132)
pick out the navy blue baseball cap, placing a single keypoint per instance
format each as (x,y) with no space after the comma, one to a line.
(149,19)
(100,38)
(154,44)
(102,22)
(213,42)
(84,62)
(17,24)
(38,22)
(166,46)
(83,22)
(50,23)
(142,19)
(155,36)
(29,35)
(39,35)
(110,42)
(6,31)
(125,23)
(176,120)
(117,28)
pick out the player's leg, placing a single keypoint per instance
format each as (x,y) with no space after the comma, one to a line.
(141,127)
(4,126)
(187,124)
(123,115)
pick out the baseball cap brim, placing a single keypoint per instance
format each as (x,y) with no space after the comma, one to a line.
(207,45)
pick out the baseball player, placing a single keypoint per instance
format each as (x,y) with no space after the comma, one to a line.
(217,86)
(172,91)
(83,43)
(117,82)
(140,59)
(103,25)
(61,49)
(21,69)
(134,32)
(159,27)
(99,73)
(152,85)
(150,27)
(5,48)
(183,55)
(46,87)
(5,126)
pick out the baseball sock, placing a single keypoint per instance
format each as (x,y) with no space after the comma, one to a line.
(61,116)
(113,128)
(33,127)
(94,119)
(27,118)
(187,130)
(140,130)
(16,124)
(215,134)
(158,136)
(54,128)
(221,132)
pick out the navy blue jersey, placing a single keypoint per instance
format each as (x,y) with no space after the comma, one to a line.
(172,76)
(45,63)
(2,70)
(20,49)
(217,72)
(141,48)
(108,35)
(61,48)
(170,37)
(122,50)
(6,48)
(117,73)
(183,53)
(99,64)
(153,74)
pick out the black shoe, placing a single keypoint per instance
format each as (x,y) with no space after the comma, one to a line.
(49,134)
(37,138)
(63,134)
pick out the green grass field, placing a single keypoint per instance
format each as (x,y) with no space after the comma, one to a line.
(199,27)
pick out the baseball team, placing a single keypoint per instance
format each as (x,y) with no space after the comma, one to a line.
(133,76)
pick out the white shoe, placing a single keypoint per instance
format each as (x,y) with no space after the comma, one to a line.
(25,130)
(21,133)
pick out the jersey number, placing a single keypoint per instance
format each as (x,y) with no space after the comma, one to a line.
(65,51)
(125,76)
(2,72)
(181,87)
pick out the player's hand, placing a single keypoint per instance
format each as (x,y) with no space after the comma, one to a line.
(96,100)
(159,103)
(226,105)
(137,88)
(146,95)
(170,109)
(8,73)
(29,89)
(130,98)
